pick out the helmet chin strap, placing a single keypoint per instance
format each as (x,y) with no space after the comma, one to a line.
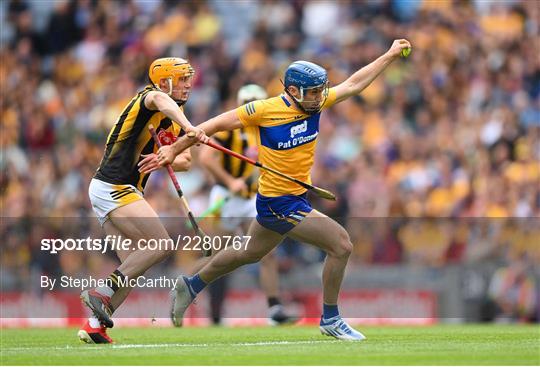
(169,82)
(296,101)
(180,103)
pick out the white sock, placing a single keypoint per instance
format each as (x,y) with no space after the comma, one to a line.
(94,323)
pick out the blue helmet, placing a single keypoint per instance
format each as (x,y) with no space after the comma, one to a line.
(305,74)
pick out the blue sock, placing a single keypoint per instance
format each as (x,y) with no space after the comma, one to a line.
(330,311)
(196,284)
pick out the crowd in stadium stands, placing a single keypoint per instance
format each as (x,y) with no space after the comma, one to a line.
(450,136)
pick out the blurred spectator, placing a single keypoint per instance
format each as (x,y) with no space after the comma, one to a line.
(513,291)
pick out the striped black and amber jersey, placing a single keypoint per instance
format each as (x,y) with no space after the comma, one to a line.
(129,138)
(241,141)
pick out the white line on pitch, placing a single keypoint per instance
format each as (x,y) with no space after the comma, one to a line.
(176,345)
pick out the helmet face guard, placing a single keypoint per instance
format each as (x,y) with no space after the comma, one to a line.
(172,69)
(307,76)
(309,104)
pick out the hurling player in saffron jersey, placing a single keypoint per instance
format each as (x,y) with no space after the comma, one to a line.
(288,127)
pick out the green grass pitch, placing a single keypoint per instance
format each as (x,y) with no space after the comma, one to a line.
(432,345)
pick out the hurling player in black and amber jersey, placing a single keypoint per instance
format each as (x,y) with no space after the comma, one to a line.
(116,191)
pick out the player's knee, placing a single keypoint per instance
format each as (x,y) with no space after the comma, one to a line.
(344,246)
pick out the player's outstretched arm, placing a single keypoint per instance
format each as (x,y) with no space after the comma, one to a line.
(226,121)
(357,82)
(156,100)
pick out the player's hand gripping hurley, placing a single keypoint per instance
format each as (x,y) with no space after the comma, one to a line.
(322,193)
(192,220)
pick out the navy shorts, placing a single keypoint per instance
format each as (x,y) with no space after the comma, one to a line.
(282,213)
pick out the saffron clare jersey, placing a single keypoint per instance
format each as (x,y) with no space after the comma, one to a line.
(286,138)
